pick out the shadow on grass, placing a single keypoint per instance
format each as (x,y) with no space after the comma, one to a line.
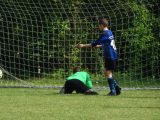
(142,97)
(148,107)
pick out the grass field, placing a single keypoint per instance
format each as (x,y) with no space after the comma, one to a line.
(47,104)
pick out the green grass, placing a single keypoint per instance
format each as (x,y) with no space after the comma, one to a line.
(47,104)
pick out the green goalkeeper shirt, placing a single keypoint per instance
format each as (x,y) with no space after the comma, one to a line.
(82,76)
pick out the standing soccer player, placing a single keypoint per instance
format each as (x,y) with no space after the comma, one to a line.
(106,41)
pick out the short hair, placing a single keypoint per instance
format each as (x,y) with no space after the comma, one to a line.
(103,22)
(76,69)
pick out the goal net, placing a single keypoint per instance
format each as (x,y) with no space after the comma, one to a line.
(38,38)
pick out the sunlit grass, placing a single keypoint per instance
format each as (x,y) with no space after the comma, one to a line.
(47,104)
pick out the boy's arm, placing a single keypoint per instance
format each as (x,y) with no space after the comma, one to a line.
(88,81)
(87,46)
(95,44)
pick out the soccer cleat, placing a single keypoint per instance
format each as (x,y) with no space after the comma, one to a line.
(111,94)
(89,92)
(61,90)
(118,90)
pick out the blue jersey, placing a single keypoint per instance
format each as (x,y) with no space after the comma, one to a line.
(108,45)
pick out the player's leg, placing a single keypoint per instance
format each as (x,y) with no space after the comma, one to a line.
(68,87)
(118,89)
(111,82)
(80,87)
(110,66)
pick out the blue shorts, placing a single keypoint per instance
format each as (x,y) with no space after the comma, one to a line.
(109,64)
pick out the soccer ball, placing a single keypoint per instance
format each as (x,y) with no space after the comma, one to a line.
(1,74)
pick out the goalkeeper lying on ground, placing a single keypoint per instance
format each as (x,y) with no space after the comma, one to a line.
(80,82)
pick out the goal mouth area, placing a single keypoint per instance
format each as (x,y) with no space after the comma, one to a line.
(38,39)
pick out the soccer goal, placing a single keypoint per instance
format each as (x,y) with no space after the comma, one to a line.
(38,39)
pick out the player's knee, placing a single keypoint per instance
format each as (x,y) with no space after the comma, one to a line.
(108,74)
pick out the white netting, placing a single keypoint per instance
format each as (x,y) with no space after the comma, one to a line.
(38,38)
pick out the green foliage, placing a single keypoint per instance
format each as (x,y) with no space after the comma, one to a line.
(140,35)
(141,39)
